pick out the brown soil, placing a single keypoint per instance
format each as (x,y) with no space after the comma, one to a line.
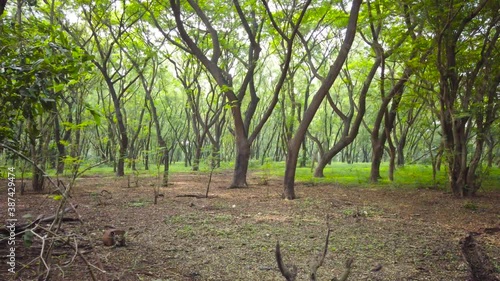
(392,234)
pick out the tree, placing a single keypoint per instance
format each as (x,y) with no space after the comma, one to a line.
(467,57)
(294,143)
(221,72)
(109,23)
(39,66)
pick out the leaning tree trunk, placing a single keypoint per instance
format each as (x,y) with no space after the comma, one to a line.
(328,156)
(197,156)
(349,136)
(241,164)
(389,117)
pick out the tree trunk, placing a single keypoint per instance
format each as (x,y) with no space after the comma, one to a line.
(377,153)
(122,155)
(291,161)
(197,156)
(166,166)
(294,143)
(215,159)
(61,149)
(400,151)
(392,162)
(392,154)
(37,176)
(134,147)
(348,136)
(148,143)
(388,116)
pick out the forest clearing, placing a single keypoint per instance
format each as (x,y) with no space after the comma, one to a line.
(250,140)
(392,233)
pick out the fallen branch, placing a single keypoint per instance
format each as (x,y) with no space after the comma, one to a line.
(321,258)
(345,275)
(32,163)
(291,274)
(40,219)
(197,196)
(482,268)
(77,253)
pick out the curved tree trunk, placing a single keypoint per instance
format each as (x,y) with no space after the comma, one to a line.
(295,142)
(349,136)
(389,117)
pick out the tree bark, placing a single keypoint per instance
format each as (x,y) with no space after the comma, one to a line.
(388,116)
(295,142)
(241,165)
(400,151)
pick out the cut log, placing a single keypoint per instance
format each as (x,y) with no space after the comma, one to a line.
(481,267)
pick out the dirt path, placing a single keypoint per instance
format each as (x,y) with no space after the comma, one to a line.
(393,234)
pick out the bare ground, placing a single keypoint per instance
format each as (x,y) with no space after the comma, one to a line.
(392,234)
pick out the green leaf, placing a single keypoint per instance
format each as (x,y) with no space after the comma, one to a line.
(58,88)
(57,197)
(72,82)
(226,88)
(94,112)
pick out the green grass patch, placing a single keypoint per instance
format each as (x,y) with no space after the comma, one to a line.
(347,175)
(137,203)
(357,174)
